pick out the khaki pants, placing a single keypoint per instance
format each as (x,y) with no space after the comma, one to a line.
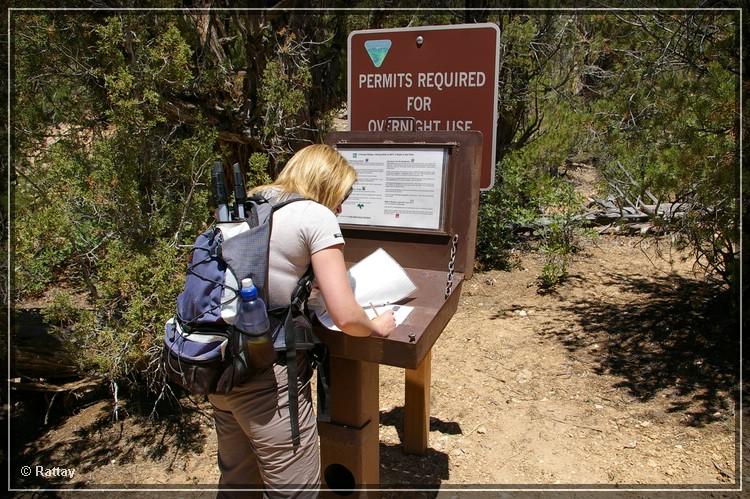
(255,441)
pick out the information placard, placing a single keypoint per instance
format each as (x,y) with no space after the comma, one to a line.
(396,187)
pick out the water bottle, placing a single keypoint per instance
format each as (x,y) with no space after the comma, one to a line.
(253,321)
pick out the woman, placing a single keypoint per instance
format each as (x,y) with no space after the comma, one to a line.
(252,421)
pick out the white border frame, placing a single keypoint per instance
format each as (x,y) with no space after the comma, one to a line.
(655,488)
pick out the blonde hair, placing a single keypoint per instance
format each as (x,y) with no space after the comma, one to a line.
(317,172)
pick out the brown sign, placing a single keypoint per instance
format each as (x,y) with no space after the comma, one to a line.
(427,79)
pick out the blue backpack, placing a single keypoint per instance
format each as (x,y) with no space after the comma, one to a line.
(202,350)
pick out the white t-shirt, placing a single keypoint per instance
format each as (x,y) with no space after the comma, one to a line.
(299,229)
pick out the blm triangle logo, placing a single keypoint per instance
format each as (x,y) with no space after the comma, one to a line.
(377,50)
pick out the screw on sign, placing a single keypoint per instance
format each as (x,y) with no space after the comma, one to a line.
(431,78)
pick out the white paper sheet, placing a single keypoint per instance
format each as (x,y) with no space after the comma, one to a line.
(377,281)
(400,313)
(396,187)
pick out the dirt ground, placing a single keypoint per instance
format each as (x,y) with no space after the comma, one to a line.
(625,376)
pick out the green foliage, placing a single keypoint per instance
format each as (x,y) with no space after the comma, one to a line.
(529,198)
(538,55)
(258,171)
(62,312)
(527,47)
(66,319)
(562,233)
(494,228)
(120,335)
(668,127)
(283,91)
(651,98)
(531,194)
(136,295)
(109,189)
(42,248)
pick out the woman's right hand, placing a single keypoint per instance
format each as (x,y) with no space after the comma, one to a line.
(384,324)
(347,314)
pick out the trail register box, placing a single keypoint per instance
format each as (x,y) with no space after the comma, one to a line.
(416,199)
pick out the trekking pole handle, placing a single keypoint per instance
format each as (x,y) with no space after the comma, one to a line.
(240,196)
(220,191)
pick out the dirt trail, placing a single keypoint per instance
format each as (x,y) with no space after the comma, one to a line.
(606,381)
(624,375)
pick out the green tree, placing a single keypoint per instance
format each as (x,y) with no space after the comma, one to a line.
(108,186)
(117,117)
(654,100)
(663,89)
(541,124)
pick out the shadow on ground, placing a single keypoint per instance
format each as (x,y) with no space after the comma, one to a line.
(104,437)
(662,334)
(104,440)
(401,470)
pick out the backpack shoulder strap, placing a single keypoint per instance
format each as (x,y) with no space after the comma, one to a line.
(298,301)
(263,207)
(291,199)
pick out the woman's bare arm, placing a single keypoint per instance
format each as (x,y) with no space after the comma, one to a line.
(333,282)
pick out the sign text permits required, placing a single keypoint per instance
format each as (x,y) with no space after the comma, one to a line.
(430,78)
(396,187)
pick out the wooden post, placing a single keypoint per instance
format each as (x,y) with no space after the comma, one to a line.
(417,406)
(355,388)
(350,442)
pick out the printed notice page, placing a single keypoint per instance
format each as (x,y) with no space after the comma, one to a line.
(396,187)
(378,281)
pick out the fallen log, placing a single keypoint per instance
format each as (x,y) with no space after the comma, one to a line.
(35,353)
(63,397)
(80,386)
